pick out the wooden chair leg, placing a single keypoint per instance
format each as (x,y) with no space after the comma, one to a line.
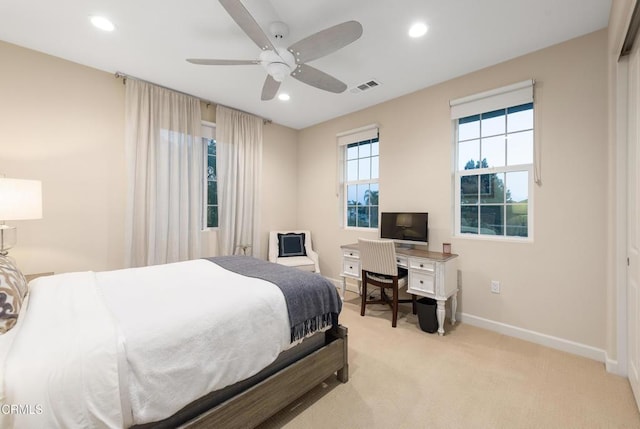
(395,306)
(413,304)
(364,295)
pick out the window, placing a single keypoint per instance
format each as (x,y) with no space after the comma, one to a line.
(494,171)
(362,192)
(360,159)
(211,176)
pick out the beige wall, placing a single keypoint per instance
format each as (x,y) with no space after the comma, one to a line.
(63,123)
(555,285)
(279,181)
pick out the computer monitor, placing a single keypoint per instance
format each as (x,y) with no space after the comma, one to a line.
(405,228)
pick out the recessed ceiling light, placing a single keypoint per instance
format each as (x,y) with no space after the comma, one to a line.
(418,30)
(284,97)
(102,23)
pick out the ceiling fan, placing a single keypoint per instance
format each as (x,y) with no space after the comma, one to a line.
(278,62)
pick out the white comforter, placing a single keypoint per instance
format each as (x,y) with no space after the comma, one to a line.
(134,346)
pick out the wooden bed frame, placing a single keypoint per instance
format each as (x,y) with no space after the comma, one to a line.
(255,405)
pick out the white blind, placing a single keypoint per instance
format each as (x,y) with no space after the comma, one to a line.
(507,96)
(356,135)
(208,130)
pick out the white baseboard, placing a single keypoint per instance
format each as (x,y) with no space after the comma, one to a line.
(337,283)
(527,335)
(351,286)
(614,367)
(542,339)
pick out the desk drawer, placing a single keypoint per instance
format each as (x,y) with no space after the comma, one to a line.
(351,254)
(421,282)
(401,261)
(422,264)
(351,267)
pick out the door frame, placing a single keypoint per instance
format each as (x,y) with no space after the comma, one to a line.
(620,366)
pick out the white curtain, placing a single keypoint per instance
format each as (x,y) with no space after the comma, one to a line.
(165,163)
(239,161)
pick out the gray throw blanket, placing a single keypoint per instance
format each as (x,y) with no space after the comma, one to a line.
(312,301)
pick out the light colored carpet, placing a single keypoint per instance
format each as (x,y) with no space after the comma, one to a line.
(470,378)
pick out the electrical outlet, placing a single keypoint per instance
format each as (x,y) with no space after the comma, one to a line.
(495,286)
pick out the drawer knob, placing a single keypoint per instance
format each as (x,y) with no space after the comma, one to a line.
(350,267)
(421,265)
(421,282)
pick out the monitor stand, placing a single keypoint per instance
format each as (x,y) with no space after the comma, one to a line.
(405,246)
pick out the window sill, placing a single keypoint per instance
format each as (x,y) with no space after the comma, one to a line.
(360,228)
(495,238)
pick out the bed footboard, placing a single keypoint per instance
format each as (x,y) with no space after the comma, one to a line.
(253,406)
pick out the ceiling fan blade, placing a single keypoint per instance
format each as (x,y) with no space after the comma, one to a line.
(206,62)
(245,21)
(270,88)
(319,79)
(326,41)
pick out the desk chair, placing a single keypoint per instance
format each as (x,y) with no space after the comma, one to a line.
(379,268)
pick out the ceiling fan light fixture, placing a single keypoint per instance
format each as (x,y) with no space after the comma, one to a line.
(278,71)
(102,23)
(418,29)
(284,97)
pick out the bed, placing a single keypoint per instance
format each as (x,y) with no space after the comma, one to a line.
(217,342)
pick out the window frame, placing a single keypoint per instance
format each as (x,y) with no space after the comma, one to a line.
(357,182)
(458,174)
(208,132)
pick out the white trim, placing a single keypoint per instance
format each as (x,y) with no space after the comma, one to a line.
(614,367)
(535,337)
(368,132)
(510,95)
(621,231)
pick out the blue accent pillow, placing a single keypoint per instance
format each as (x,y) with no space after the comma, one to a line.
(291,244)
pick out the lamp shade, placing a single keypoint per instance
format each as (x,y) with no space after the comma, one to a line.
(20,199)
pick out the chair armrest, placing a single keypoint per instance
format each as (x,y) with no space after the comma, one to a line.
(313,255)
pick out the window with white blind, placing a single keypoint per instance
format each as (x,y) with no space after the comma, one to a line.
(494,163)
(359,158)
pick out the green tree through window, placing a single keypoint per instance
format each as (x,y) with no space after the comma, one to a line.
(212,184)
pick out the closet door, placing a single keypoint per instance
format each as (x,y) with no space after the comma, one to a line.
(633,219)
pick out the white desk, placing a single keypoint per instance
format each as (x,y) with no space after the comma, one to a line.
(431,274)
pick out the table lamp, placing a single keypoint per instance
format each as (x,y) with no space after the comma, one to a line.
(19,199)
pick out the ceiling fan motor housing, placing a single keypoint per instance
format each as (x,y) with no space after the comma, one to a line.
(279,30)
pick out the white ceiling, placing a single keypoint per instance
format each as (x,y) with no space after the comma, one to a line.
(154,37)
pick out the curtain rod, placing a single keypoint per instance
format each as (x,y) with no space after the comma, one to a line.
(208,102)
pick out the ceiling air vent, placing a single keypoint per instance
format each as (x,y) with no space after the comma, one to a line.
(365,86)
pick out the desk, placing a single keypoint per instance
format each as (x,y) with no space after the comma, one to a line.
(431,274)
